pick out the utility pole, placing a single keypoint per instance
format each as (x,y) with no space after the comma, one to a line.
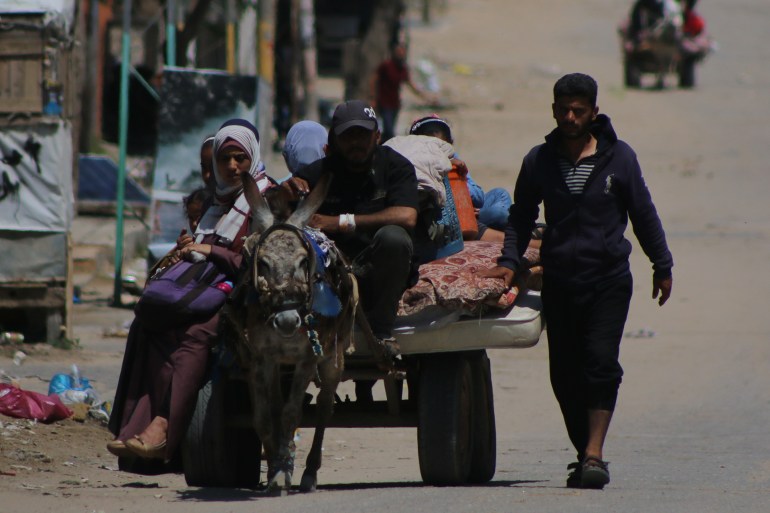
(125,64)
(171,33)
(89,94)
(266,35)
(230,17)
(265,67)
(309,58)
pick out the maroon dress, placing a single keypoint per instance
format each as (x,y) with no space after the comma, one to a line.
(162,371)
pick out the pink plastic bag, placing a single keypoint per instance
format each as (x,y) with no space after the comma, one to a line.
(25,404)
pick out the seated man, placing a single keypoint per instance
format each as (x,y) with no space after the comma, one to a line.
(370,212)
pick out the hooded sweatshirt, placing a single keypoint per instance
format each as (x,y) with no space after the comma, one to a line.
(584,239)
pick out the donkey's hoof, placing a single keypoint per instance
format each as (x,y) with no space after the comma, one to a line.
(309,482)
(275,491)
(279,485)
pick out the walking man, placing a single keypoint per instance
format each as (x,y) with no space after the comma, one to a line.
(590,185)
(385,86)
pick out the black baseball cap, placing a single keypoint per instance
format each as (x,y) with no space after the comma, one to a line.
(353,113)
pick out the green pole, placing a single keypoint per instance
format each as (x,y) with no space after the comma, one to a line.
(171,33)
(122,139)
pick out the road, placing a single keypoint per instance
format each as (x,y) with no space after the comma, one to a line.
(692,428)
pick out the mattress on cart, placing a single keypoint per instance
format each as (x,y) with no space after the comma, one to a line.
(436,329)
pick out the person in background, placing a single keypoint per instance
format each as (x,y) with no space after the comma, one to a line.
(590,185)
(163,369)
(305,143)
(385,89)
(694,24)
(492,207)
(207,163)
(370,212)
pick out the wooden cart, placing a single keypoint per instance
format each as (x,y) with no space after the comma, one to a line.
(449,401)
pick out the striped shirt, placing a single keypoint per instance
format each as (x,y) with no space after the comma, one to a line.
(575,175)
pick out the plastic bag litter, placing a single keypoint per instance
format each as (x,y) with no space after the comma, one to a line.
(25,404)
(73,388)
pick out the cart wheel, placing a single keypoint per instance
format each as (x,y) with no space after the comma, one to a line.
(632,73)
(213,453)
(484,454)
(687,73)
(444,441)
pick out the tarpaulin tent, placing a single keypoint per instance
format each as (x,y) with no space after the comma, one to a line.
(38,95)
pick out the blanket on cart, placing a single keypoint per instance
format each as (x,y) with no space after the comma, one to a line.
(453,282)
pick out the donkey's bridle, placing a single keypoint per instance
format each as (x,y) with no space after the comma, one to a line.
(311,276)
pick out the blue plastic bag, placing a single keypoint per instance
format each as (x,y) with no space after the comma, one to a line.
(72,388)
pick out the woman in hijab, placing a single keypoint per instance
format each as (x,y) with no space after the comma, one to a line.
(163,370)
(305,143)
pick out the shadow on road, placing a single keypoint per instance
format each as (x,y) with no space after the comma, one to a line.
(238,494)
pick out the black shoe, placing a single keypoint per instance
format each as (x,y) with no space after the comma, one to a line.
(575,478)
(595,473)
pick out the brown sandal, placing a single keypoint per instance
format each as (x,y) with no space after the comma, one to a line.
(151,452)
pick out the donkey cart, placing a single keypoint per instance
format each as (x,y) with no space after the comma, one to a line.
(449,399)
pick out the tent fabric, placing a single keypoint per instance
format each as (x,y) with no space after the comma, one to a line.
(57,14)
(36,178)
(33,256)
(98,182)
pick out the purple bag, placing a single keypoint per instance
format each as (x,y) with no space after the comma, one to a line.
(182,293)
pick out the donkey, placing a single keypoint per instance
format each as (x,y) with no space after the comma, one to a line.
(292,318)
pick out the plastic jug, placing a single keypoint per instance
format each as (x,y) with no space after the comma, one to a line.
(463,204)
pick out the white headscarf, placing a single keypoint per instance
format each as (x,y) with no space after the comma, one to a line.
(225,218)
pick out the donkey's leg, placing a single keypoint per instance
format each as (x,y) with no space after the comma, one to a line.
(286,422)
(330,373)
(261,376)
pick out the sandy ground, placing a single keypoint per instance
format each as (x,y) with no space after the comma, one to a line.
(691,429)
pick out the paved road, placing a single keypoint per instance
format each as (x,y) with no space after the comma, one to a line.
(692,428)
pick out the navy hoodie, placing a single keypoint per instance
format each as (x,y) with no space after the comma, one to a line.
(583,242)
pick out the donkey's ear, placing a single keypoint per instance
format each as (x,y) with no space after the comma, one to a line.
(310,204)
(261,217)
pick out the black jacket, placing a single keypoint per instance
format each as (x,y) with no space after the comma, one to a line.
(391,182)
(584,241)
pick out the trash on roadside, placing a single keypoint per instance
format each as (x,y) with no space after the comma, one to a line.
(640,333)
(426,75)
(462,69)
(77,295)
(76,391)
(115,333)
(25,404)
(19,357)
(132,285)
(11,337)
(8,379)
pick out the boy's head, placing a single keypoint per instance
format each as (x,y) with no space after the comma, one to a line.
(194,203)
(432,126)
(207,162)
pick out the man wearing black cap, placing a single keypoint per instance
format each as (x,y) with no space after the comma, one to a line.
(370,212)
